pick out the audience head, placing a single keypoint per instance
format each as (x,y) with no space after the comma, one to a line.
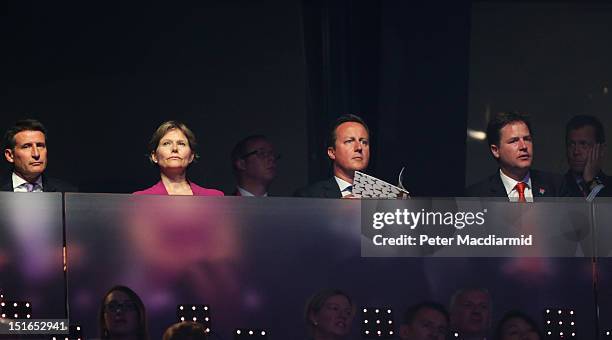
(122,314)
(470,312)
(254,161)
(186,330)
(582,133)
(425,321)
(173,147)
(516,325)
(329,314)
(349,146)
(25,147)
(510,141)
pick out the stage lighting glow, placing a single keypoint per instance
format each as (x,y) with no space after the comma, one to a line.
(548,311)
(367,332)
(388,311)
(377,310)
(238,331)
(263,333)
(78,328)
(207,330)
(559,311)
(182,318)
(379,332)
(250,332)
(15,304)
(377,322)
(194,319)
(27,304)
(181,307)
(27,316)
(365,310)
(193,308)
(365,321)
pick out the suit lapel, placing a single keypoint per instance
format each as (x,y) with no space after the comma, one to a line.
(496,186)
(331,189)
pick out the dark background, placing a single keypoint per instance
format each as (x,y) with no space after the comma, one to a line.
(102,77)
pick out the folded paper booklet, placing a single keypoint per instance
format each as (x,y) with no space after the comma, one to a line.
(366,186)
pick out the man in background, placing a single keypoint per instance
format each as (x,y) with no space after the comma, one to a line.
(254,163)
(425,321)
(585,143)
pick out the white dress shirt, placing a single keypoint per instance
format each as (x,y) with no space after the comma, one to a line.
(510,185)
(342,184)
(21,185)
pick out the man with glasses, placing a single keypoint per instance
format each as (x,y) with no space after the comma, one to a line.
(348,148)
(254,163)
(586,143)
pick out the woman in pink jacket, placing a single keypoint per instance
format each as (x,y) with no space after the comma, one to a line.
(172,149)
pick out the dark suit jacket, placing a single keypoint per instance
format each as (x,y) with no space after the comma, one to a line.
(543,184)
(574,191)
(323,189)
(49,185)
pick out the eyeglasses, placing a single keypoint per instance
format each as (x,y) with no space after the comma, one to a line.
(126,306)
(262,154)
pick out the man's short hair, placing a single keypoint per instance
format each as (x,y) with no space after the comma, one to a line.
(580,121)
(240,149)
(412,311)
(186,330)
(19,126)
(502,119)
(346,118)
(515,314)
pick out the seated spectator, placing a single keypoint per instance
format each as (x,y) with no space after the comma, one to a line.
(470,313)
(186,330)
(425,321)
(516,325)
(122,315)
(329,315)
(254,164)
(25,149)
(172,148)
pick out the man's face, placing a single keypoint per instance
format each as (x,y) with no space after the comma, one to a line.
(471,313)
(260,161)
(579,144)
(428,324)
(352,149)
(515,150)
(29,156)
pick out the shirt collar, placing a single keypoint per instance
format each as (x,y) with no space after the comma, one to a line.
(342,183)
(246,193)
(510,183)
(18,181)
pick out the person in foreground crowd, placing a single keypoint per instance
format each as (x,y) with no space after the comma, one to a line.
(186,330)
(585,142)
(122,315)
(516,325)
(425,321)
(511,144)
(470,313)
(329,315)
(172,148)
(348,148)
(25,148)
(254,164)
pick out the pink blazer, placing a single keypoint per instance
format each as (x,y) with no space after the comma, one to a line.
(160,189)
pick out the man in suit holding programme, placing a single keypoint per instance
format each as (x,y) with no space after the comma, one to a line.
(348,148)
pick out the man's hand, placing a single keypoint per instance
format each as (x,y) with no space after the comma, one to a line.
(594,162)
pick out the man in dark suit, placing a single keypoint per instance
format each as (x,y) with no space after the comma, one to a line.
(585,142)
(510,142)
(254,163)
(348,147)
(25,148)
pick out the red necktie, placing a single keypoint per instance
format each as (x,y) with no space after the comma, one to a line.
(520,188)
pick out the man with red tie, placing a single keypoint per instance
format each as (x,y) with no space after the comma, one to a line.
(511,144)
